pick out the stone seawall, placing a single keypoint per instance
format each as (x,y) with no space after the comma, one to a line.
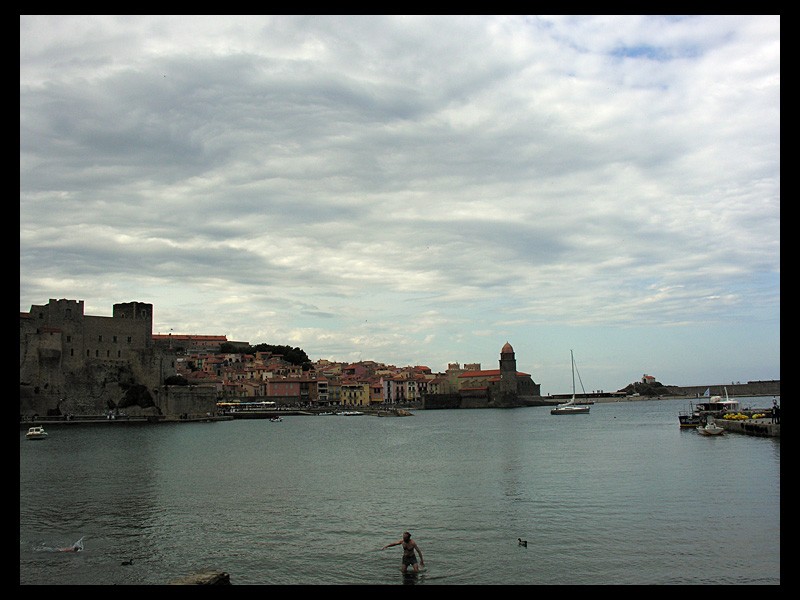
(751,388)
(757,427)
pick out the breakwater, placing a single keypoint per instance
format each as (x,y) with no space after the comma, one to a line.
(751,388)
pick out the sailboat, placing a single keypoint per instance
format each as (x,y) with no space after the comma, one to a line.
(569,407)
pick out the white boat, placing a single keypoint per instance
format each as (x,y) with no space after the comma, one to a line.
(349,413)
(36,433)
(713,406)
(570,407)
(710,428)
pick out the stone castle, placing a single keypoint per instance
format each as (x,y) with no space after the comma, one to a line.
(71,363)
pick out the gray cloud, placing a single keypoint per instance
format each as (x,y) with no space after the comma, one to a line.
(414,189)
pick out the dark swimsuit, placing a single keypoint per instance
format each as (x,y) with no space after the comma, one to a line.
(409,558)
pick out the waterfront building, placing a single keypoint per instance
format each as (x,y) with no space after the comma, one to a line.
(479,388)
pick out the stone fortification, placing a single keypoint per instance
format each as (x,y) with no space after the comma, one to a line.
(73,363)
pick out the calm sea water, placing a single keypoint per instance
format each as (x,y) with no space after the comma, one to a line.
(618,496)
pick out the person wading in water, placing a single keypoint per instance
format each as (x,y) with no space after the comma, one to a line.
(409,558)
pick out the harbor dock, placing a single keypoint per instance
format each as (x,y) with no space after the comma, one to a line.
(758,427)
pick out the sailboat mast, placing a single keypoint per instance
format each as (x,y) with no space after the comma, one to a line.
(572,360)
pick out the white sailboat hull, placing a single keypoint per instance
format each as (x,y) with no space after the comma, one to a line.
(571,409)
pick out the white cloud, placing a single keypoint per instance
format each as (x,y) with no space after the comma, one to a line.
(415,189)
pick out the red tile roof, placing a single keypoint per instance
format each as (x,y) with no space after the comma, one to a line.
(490,373)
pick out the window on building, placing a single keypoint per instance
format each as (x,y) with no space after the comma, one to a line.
(97,353)
(129,339)
(99,338)
(72,351)
(119,354)
(69,338)
(115,339)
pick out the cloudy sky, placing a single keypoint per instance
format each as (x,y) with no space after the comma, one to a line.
(416,190)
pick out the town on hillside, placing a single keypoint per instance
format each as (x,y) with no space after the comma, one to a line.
(73,364)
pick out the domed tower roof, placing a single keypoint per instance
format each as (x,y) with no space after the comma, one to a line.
(507,349)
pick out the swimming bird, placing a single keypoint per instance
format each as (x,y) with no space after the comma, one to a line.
(522,542)
(127,562)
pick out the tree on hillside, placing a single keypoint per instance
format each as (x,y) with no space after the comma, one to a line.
(295,356)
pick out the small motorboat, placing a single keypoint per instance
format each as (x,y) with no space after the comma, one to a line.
(710,428)
(36,433)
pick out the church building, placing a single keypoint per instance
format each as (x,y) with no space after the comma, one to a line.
(497,387)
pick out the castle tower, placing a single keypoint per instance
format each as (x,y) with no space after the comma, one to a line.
(508,369)
(140,313)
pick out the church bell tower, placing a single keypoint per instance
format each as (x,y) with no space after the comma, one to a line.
(508,369)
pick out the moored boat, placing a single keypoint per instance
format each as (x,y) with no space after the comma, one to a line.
(710,427)
(688,419)
(571,406)
(568,408)
(715,407)
(36,433)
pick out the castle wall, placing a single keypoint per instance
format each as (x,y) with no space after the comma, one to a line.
(189,399)
(474,402)
(85,364)
(527,387)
